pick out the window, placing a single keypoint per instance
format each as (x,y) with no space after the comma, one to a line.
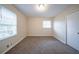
(46,24)
(7,23)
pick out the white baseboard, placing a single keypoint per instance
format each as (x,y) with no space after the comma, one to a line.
(60,40)
(13,45)
(37,35)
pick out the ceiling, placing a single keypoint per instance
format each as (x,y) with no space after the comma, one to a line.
(30,10)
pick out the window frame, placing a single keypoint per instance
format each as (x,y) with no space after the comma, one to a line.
(8,32)
(44,24)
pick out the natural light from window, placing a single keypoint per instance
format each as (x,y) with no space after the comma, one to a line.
(47,24)
(8,23)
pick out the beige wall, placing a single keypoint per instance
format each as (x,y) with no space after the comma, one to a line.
(35,27)
(60,23)
(21,30)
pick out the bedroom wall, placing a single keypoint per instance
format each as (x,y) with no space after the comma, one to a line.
(21,31)
(60,28)
(35,27)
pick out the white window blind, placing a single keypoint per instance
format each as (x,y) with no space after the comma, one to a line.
(46,24)
(8,23)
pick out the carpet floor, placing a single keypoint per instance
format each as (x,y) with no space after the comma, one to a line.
(41,45)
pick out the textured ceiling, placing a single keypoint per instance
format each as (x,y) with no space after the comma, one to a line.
(30,10)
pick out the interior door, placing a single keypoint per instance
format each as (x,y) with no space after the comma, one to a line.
(73,30)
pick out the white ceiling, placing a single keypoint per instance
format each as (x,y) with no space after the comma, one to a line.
(30,10)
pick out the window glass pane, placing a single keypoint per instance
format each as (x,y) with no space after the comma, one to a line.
(8,23)
(46,24)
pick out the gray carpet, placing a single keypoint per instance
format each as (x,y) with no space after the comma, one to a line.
(41,45)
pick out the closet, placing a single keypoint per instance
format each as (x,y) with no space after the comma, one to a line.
(73,30)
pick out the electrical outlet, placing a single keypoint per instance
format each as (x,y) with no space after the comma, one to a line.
(7,46)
